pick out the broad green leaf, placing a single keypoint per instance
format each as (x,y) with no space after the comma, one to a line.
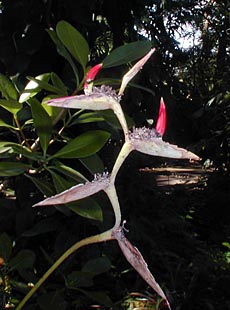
(44,186)
(79,279)
(7,88)
(63,52)
(46,86)
(84,145)
(87,208)
(42,227)
(42,123)
(93,163)
(54,112)
(57,82)
(4,124)
(127,53)
(52,301)
(32,88)
(97,265)
(68,172)
(23,150)
(85,118)
(8,169)
(23,260)
(11,105)
(74,42)
(98,296)
(60,183)
(5,247)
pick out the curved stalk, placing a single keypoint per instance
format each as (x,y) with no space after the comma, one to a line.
(126,149)
(105,236)
(112,194)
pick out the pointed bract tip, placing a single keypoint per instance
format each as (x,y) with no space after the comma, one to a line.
(90,76)
(162,118)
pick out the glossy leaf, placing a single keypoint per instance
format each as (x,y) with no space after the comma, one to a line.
(23,260)
(68,172)
(84,145)
(32,88)
(5,247)
(46,86)
(8,169)
(127,53)
(52,301)
(44,186)
(63,52)
(57,82)
(93,163)
(42,227)
(73,41)
(13,106)
(79,279)
(4,124)
(97,265)
(87,208)
(85,118)
(7,88)
(42,123)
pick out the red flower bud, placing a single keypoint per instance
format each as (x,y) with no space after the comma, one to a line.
(161,121)
(90,76)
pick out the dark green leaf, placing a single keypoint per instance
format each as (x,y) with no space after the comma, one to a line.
(7,88)
(52,301)
(42,227)
(57,82)
(79,279)
(13,106)
(8,169)
(42,123)
(84,118)
(23,260)
(68,172)
(97,265)
(4,124)
(87,208)
(84,145)
(5,247)
(44,186)
(73,41)
(127,53)
(93,163)
(63,52)
(99,296)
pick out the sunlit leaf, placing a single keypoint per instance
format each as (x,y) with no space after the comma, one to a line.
(4,124)
(32,88)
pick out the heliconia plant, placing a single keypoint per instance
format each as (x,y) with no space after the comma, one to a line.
(145,140)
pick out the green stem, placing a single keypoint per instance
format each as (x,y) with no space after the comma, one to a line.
(107,235)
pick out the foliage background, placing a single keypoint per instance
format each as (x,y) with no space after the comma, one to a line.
(184,235)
